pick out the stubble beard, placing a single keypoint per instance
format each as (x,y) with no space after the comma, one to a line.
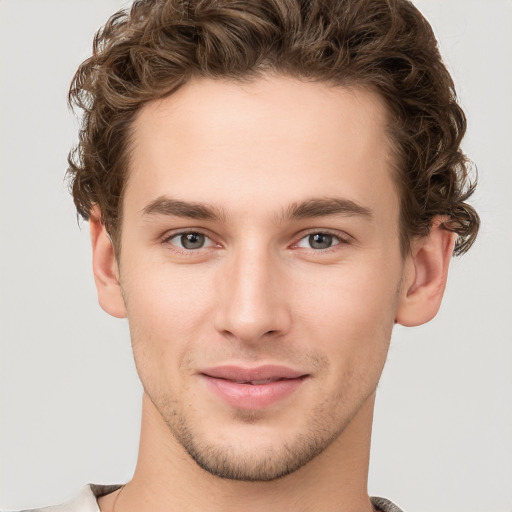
(262,463)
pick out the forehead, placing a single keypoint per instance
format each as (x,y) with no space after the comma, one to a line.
(262,145)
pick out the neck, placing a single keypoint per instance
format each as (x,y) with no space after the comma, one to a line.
(166,478)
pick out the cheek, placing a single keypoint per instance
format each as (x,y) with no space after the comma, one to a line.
(166,313)
(351,316)
(164,295)
(358,296)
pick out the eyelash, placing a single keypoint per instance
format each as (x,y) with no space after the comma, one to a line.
(166,240)
(341,240)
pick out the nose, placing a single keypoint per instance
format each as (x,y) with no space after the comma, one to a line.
(252,298)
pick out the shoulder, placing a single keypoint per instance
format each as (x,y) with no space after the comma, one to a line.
(384,505)
(84,501)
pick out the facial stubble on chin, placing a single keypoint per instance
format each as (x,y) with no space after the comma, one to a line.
(264,464)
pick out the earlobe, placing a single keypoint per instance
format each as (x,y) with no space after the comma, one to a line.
(425,275)
(105,268)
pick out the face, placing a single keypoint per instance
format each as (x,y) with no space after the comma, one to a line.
(260,267)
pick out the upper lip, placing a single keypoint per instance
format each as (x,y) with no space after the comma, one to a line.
(259,373)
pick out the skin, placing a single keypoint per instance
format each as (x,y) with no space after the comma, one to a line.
(259,293)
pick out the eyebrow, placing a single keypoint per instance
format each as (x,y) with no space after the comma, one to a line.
(172,207)
(311,208)
(322,207)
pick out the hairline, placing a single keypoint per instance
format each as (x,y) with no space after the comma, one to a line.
(263,72)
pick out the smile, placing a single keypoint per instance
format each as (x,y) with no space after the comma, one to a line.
(252,388)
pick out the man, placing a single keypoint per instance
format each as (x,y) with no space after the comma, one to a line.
(270,186)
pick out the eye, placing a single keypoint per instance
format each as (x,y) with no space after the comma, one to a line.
(319,241)
(190,240)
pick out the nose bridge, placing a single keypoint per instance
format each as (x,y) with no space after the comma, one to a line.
(252,302)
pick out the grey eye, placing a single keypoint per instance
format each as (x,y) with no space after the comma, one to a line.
(190,240)
(320,241)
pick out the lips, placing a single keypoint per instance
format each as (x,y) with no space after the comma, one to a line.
(252,388)
(260,373)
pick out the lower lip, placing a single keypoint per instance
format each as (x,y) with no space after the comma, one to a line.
(253,396)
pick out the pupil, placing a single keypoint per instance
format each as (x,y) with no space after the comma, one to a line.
(320,241)
(192,240)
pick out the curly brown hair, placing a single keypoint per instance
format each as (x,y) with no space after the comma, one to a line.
(151,50)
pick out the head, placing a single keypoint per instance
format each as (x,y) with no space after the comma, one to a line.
(271,186)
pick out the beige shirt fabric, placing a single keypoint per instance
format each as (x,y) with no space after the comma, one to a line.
(86,501)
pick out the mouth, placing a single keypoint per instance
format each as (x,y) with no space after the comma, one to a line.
(252,388)
(256,382)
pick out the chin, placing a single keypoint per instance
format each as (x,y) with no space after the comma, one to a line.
(256,465)
(253,451)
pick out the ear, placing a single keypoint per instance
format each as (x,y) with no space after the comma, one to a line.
(425,274)
(105,268)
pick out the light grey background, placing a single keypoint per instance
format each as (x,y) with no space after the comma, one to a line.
(70,397)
